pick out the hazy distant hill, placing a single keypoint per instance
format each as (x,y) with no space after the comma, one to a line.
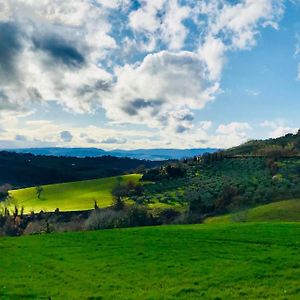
(147,154)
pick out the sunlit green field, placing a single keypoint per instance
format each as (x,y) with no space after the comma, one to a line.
(231,261)
(288,210)
(73,196)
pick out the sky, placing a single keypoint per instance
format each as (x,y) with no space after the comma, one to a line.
(128,74)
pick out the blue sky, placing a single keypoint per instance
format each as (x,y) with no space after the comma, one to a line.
(147,74)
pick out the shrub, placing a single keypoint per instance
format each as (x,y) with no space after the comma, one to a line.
(4,191)
(104,219)
(74,225)
(11,227)
(35,227)
(139,216)
(168,216)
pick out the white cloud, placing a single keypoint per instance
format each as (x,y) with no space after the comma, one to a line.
(161,91)
(222,26)
(282,130)
(233,127)
(113,140)
(162,19)
(213,53)
(52,50)
(173,31)
(239,22)
(205,125)
(145,18)
(234,27)
(143,67)
(44,133)
(253,92)
(277,128)
(4,11)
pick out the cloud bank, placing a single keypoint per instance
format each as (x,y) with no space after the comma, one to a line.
(155,64)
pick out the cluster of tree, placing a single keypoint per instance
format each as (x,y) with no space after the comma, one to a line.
(23,170)
(202,203)
(116,217)
(208,158)
(234,184)
(226,184)
(12,224)
(169,171)
(4,191)
(277,151)
(122,190)
(16,223)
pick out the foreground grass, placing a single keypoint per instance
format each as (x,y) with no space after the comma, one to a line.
(244,261)
(72,196)
(286,211)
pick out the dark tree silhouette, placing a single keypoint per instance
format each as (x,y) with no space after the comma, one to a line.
(39,189)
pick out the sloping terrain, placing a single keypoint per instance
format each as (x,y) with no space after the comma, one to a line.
(72,196)
(284,145)
(282,211)
(228,184)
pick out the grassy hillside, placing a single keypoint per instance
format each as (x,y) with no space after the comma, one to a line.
(72,196)
(246,261)
(230,183)
(288,210)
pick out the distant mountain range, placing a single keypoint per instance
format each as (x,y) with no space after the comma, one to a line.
(145,154)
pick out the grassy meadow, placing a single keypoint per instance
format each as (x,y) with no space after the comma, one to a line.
(281,211)
(229,261)
(71,196)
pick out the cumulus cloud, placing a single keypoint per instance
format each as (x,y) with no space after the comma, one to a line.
(146,66)
(162,90)
(114,141)
(162,20)
(277,128)
(49,51)
(234,26)
(233,127)
(156,90)
(66,136)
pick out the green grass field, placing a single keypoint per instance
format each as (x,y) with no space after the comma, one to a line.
(282,211)
(231,261)
(79,195)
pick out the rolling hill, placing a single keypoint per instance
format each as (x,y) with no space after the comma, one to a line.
(228,261)
(23,170)
(284,145)
(71,196)
(281,211)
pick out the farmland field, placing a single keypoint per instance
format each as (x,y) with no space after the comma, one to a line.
(244,261)
(79,195)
